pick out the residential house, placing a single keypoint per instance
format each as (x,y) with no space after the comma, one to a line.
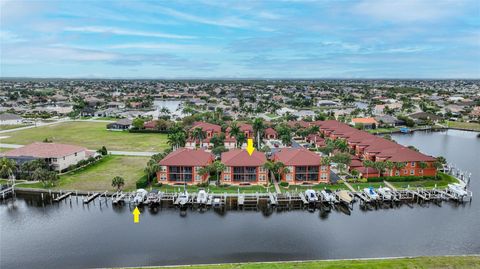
(120,125)
(270,133)
(304,166)
(242,168)
(10,119)
(183,166)
(59,156)
(364,123)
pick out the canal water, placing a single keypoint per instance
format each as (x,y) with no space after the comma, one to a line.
(71,235)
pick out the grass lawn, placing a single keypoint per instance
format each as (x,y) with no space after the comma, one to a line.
(215,189)
(420,262)
(464,125)
(383,130)
(92,135)
(9,127)
(98,177)
(442,182)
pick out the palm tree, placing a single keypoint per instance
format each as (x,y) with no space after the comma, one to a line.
(276,169)
(367,164)
(400,165)
(7,168)
(389,165)
(152,168)
(199,134)
(341,145)
(176,140)
(241,138)
(118,182)
(234,129)
(258,128)
(217,167)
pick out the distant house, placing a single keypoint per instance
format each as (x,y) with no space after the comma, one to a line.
(387,121)
(270,133)
(243,169)
(364,123)
(183,166)
(304,114)
(230,142)
(120,125)
(10,119)
(245,128)
(59,156)
(209,128)
(422,117)
(315,140)
(303,166)
(329,103)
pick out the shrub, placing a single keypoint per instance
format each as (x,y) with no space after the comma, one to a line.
(363,180)
(202,185)
(284,184)
(401,178)
(142,182)
(340,181)
(158,184)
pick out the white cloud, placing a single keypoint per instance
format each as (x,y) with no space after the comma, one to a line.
(409,10)
(9,37)
(167,47)
(227,22)
(119,31)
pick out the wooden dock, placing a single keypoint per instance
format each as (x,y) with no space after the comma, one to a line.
(63,196)
(90,197)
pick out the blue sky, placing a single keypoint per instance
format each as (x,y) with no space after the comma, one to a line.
(244,39)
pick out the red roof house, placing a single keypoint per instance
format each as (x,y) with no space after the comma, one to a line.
(183,165)
(243,169)
(303,166)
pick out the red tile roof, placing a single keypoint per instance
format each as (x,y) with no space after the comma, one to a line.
(44,150)
(240,157)
(300,156)
(187,157)
(270,131)
(205,126)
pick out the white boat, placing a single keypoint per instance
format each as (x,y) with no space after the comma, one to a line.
(328,196)
(202,197)
(344,196)
(183,198)
(385,192)
(152,197)
(140,196)
(311,196)
(370,192)
(458,189)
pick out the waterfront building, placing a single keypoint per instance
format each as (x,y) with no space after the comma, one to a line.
(209,131)
(304,166)
(243,169)
(183,166)
(58,156)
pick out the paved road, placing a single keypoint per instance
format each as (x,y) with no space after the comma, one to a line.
(113,152)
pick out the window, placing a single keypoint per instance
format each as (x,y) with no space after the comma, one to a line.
(262,177)
(289,177)
(75,154)
(163,168)
(245,174)
(163,177)
(54,160)
(227,169)
(306,173)
(180,173)
(226,177)
(397,173)
(412,164)
(324,168)
(323,176)
(261,169)
(412,172)
(198,178)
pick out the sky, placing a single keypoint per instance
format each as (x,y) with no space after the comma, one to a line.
(240,39)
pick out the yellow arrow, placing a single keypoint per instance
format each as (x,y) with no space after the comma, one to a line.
(250,147)
(136,215)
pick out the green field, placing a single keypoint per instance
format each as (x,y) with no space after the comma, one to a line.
(458,262)
(464,125)
(92,135)
(9,127)
(383,130)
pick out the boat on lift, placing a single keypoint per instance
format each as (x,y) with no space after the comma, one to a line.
(311,196)
(328,196)
(344,196)
(385,193)
(152,197)
(371,193)
(458,189)
(183,198)
(202,197)
(140,196)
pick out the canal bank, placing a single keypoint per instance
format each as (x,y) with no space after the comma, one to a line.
(101,235)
